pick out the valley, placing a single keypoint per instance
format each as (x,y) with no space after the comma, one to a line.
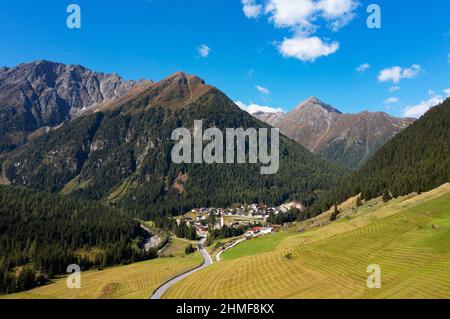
(407,237)
(330,261)
(89,178)
(135,281)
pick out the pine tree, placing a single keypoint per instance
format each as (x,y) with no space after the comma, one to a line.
(335,213)
(386,196)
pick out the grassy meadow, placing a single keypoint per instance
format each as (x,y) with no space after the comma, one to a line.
(408,237)
(176,247)
(135,281)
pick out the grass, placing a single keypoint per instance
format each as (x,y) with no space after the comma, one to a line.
(135,281)
(256,246)
(218,244)
(149,224)
(176,248)
(409,238)
(73,185)
(118,193)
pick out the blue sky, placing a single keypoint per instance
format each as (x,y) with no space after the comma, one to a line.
(249,56)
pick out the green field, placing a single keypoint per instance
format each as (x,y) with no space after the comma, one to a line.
(256,246)
(136,281)
(409,238)
(176,247)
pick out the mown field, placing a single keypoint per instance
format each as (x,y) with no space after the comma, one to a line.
(176,247)
(135,281)
(409,238)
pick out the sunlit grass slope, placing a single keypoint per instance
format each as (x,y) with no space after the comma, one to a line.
(409,238)
(135,281)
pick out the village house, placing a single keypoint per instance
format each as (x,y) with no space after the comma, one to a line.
(258,231)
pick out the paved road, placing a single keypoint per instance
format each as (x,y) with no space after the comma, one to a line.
(219,254)
(206,262)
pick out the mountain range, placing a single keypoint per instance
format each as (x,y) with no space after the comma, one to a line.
(347,139)
(43,94)
(118,151)
(86,154)
(416,160)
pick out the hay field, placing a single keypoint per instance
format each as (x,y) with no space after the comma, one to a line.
(409,238)
(135,281)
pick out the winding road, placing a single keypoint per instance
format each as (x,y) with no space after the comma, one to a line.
(158,293)
(219,255)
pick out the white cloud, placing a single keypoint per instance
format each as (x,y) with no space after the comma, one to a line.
(391,100)
(262,90)
(338,12)
(301,15)
(253,108)
(204,50)
(418,110)
(251,8)
(291,13)
(394,88)
(363,68)
(302,18)
(395,74)
(307,49)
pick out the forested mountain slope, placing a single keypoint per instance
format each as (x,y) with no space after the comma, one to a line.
(347,139)
(120,153)
(44,232)
(416,160)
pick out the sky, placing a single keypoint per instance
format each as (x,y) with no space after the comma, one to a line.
(264,54)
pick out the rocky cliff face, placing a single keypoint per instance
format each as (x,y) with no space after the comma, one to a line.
(45,94)
(348,139)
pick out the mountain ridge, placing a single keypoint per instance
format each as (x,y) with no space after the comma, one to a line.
(119,152)
(415,160)
(347,139)
(44,94)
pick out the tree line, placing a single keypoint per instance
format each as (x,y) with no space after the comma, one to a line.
(41,234)
(416,160)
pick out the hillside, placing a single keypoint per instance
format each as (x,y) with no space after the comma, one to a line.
(37,96)
(119,152)
(416,160)
(135,281)
(44,233)
(347,139)
(406,237)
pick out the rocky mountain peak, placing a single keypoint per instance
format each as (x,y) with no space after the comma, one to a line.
(348,139)
(177,90)
(314,103)
(182,78)
(45,94)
